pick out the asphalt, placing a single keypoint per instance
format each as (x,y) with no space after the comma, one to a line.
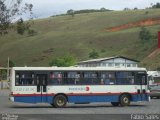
(94,111)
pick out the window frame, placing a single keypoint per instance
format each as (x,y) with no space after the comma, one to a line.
(64,78)
(24,72)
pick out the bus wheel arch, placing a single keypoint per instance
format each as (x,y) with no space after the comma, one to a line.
(125,99)
(60,100)
(115,103)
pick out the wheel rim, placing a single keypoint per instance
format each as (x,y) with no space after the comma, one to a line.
(60,102)
(125,100)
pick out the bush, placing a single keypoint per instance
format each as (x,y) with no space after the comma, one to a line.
(20,27)
(94,54)
(144,34)
(103,50)
(65,61)
(11,63)
(31,32)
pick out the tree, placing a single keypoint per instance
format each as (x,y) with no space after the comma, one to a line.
(135,8)
(20,27)
(65,61)
(70,12)
(126,9)
(144,34)
(94,54)
(158,68)
(3,74)
(11,63)
(103,9)
(10,10)
(157,5)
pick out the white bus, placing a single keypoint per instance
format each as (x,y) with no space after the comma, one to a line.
(61,85)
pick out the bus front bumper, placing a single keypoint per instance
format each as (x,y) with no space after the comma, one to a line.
(11,98)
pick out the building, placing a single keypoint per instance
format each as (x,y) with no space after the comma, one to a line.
(153,77)
(117,61)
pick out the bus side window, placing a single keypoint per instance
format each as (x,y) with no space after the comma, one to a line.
(77,78)
(64,79)
(55,78)
(111,77)
(89,78)
(125,78)
(71,76)
(18,79)
(59,76)
(144,81)
(24,78)
(141,79)
(37,80)
(108,77)
(32,82)
(104,78)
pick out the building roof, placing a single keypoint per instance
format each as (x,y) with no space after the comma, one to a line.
(107,58)
(154,73)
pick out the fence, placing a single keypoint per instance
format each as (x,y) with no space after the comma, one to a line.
(4,84)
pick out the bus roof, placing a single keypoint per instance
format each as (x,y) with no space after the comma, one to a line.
(80,68)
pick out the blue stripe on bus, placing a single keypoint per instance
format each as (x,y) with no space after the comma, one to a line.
(78,99)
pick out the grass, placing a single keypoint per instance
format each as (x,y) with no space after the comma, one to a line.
(78,36)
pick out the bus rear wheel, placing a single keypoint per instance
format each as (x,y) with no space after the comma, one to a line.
(60,101)
(124,100)
(115,103)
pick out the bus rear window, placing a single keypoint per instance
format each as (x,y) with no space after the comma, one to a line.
(24,78)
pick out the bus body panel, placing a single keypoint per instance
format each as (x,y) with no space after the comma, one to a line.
(76,93)
(89,93)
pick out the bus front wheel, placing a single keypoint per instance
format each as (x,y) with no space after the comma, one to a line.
(60,101)
(52,105)
(124,100)
(115,103)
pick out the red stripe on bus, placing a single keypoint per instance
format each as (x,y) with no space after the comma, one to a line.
(91,94)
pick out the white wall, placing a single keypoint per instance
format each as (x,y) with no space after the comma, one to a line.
(117,62)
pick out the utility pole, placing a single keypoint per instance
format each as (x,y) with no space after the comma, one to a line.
(8,69)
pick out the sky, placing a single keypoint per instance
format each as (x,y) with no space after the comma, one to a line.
(46,8)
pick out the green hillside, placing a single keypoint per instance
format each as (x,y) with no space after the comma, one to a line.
(78,36)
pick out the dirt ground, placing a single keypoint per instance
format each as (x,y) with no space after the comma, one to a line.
(147,22)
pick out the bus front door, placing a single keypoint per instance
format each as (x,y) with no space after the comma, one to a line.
(41,87)
(142,78)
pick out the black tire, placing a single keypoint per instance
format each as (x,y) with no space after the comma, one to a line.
(52,105)
(60,101)
(115,103)
(124,100)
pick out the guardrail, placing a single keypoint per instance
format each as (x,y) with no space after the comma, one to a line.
(4,84)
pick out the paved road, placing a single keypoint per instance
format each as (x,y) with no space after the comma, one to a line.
(94,110)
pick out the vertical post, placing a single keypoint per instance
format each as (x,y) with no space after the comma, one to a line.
(8,73)
(8,69)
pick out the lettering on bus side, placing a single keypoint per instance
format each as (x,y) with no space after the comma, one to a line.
(79,88)
(25,89)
